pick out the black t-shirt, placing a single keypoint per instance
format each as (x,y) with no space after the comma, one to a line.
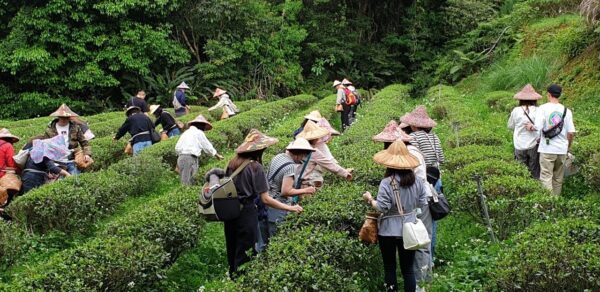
(251,182)
(135,101)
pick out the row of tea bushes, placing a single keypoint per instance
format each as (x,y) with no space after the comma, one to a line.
(319,249)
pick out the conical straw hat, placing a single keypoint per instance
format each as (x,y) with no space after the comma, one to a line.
(324,123)
(390,133)
(219,92)
(132,108)
(312,131)
(201,120)
(183,85)
(6,135)
(314,116)
(419,118)
(336,83)
(300,144)
(64,112)
(256,141)
(346,82)
(405,137)
(153,108)
(396,157)
(527,93)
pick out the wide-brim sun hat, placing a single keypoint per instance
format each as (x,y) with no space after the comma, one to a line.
(6,135)
(64,112)
(312,131)
(390,133)
(336,83)
(324,123)
(200,119)
(527,93)
(255,141)
(346,82)
(314,116)
(397,157)
(183,85)
(153,108)
(405,137)
(219,92)
(131,108)
(418,118)
(300,144)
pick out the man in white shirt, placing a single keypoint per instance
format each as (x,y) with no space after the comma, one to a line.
(554,147)
(189,147)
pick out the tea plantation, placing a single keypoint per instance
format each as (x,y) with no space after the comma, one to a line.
(126,223)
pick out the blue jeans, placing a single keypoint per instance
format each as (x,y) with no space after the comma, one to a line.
(174,132)
(72,168)
(266,230)
(139,146)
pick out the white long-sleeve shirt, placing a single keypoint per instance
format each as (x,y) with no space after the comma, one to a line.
(194,142)
(523,139)
(227,105)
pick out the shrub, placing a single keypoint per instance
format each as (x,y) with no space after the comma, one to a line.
(72,204)
(477,136)
(509,76)
(108,264)
(501,101)
(487,168)
(591,171)
(309,259)
(459,157)
(564,256)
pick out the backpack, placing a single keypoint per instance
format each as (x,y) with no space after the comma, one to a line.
(350,97)
(220,202)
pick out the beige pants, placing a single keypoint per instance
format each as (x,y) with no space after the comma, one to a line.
(552,171)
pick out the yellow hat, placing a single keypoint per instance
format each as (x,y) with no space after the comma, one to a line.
(311,131)
(396,157)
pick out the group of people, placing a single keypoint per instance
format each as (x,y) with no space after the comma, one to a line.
(64,149)
(542,136)
(412,157)
(347,101)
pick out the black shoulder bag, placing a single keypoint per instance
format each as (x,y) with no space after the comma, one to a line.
(557,129)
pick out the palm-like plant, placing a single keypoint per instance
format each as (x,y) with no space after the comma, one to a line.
(162,86)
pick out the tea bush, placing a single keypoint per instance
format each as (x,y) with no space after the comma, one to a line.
(457,158)
(501,101)
(564,256)
(108,264)
(72,204)
(312,258)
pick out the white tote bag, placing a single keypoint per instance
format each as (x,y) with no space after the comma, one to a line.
(414,234)
(21,158)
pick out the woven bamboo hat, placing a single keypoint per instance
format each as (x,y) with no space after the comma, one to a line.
(183,85)
(312,131)
(131,108)
(324,123)
(390,133)
(336,83)
(64,112)
(256,141)
(419,118)
(6,135)
(405,137)
(346,82)
(300,144)
(219,92)
(396,157)
(200,119)
(153,108)
(527,93)
(314,116)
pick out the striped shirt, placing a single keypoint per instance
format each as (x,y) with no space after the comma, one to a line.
(276,179)
(430,147)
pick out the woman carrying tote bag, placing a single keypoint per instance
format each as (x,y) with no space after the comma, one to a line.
(399,183)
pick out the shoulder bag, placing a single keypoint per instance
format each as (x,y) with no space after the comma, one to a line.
(438,204)
(414,234)
(370,229)
(221,202)
(21,158)
(557,129)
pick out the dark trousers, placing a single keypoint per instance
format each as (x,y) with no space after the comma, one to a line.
(31,181)
(389,246)
(531,158)
(345,116)
(240,236)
